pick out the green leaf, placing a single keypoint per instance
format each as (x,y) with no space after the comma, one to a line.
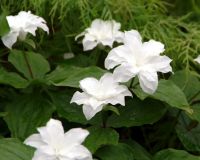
(27,112)
(4,27)
(3,114)
(196,112)
(13,79)
(99,137)
(189,83)
(172,154)
(30,64)
(13,149)
(71,75)
(137,113)
(30,42)
(189,133)
(116,152)
(111,108)
(139,152)
(169,93)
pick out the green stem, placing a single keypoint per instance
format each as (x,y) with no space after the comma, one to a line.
(28,65)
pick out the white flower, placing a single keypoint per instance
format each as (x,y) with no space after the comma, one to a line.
(20,25)
(137,58)
(197,59)
(53,144)
(98,93)
(101,32)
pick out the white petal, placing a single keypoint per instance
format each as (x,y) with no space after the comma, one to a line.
(197,59)
(132,37)
(39,155)
(148,81)
(10,38)
(89,112)
(34,140)
(118,55)
(153,48)
(89,85)
(78,152)
(80,98)
(159,63)
(52,133)
(80,35)
(74,137)
(89,42)
(125,72)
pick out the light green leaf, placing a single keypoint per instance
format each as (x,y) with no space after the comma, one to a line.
(111,108)
(13,79)
(27,112)
(116,152)
(172,154)
(30,64)
(13,149)
(137,113)
(100,136)
(169,93)
(71,75)
(4,27)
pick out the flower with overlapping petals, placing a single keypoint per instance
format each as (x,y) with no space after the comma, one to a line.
(98,93)
(53,144)
(197,59)
(101,32)
(137,58)
(20,25)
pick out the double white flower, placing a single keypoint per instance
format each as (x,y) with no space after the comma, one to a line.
(53,144)
(20,25)
(137,58)
(101,32)
(98,93)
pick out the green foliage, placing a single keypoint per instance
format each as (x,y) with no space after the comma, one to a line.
(37,82)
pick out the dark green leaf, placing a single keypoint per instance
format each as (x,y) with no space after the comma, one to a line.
(137,113)
(71,75)
(189,133)
(31,65)
(13,149)
(100,136)
(116,152)
(172,154)
(26,113)
(13,79)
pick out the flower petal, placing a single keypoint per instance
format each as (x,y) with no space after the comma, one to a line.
(89,85)
(153,48)
(125,72)
(34,140)
(118,56)
(80,98)
(10,38)
(132,38)
(78,152)
(159,63)
(197,59)
(89,43)
(148,81)
(53,129)
(89,111)
(39,155)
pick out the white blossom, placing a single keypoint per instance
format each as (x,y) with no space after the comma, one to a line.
(53,144)
(101,32)
(20,25)
(197,59)
(137,58)
(98,93)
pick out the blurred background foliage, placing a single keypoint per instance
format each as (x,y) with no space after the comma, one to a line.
(163,20)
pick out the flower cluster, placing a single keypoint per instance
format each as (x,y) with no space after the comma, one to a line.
(132,58)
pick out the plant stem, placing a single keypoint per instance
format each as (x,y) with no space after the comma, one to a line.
(28,65)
